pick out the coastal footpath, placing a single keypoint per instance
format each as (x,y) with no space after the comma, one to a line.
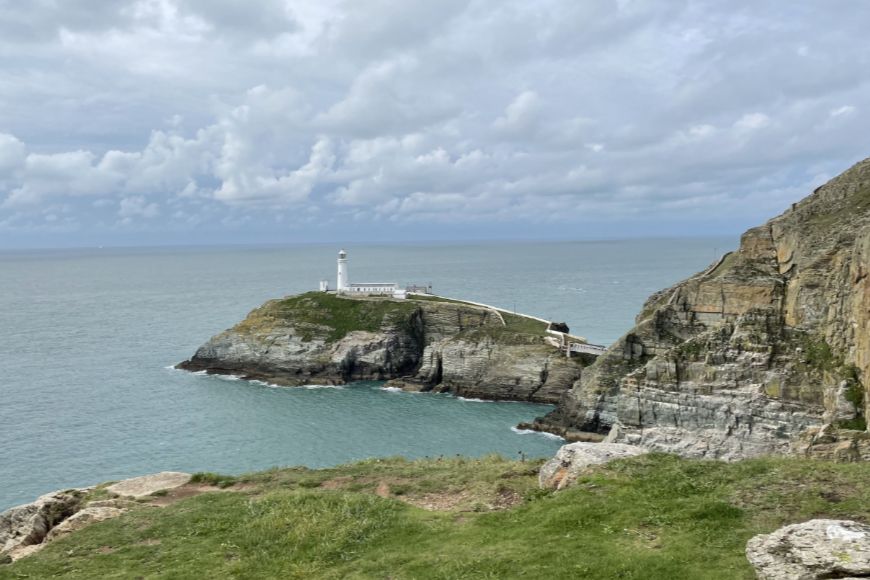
(423,343)
(767,351)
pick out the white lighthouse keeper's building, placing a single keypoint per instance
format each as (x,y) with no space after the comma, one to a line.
(343,285)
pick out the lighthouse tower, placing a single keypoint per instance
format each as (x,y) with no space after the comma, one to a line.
(341,282)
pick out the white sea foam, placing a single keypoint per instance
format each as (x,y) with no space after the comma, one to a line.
(392,389)
(264,384)
(473,400)
(205,373)
(321,386)
(533,432)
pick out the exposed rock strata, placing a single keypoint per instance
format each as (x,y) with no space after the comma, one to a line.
(420,345)
(756,354)
(812,550)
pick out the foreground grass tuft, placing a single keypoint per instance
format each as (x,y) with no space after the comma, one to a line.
(649,517)
(213,479)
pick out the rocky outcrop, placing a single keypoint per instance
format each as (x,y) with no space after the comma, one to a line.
(26,529)
(29,524)
(417,344)
(83,518)
(754,355)
(811,551)
(573,459)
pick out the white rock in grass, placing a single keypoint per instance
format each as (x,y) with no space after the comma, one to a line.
(148,484)
(573,458)
(812,550)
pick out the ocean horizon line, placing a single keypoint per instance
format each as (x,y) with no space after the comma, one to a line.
(353,243)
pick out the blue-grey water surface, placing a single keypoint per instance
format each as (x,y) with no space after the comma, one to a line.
(86,337)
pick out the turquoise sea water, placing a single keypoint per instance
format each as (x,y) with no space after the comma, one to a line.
(86,337)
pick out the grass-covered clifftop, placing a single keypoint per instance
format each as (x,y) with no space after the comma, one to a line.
(331,317)
(327,316)
(649,517)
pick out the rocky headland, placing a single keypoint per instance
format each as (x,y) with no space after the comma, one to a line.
(766,351)
(422,343)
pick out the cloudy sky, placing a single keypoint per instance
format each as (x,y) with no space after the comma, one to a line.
(223,121)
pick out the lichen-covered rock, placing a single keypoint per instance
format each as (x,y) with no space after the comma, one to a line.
(571,460)
(29,524)
(812,550)
(742,359)
(146,485)
(418,345)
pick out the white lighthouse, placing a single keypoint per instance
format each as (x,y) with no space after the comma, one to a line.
(343,285)
(341,282)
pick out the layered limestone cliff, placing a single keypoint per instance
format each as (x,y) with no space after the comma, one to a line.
(418,344)
(767,351)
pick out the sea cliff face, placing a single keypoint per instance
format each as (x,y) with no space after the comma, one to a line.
(767,351)
(417,344)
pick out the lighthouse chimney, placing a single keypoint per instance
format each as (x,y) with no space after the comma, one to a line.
(341,282)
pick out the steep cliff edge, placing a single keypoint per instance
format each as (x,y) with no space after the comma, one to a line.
(767,351)
(421,344)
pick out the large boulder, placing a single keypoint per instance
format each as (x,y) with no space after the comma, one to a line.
(28,524)
(572,459)
(149,484)
(812,550)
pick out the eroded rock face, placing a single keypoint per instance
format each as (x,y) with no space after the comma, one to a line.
(571,460)
(29,524)
(745,358)
(812,550)
(488,369)
(416,345)
(27,528)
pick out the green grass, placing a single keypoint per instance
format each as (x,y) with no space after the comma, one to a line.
(524,325)
(317,315)
(648,517)
(213,479)
(433,298)
(327,316)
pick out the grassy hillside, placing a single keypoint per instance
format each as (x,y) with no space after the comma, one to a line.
(650,517)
